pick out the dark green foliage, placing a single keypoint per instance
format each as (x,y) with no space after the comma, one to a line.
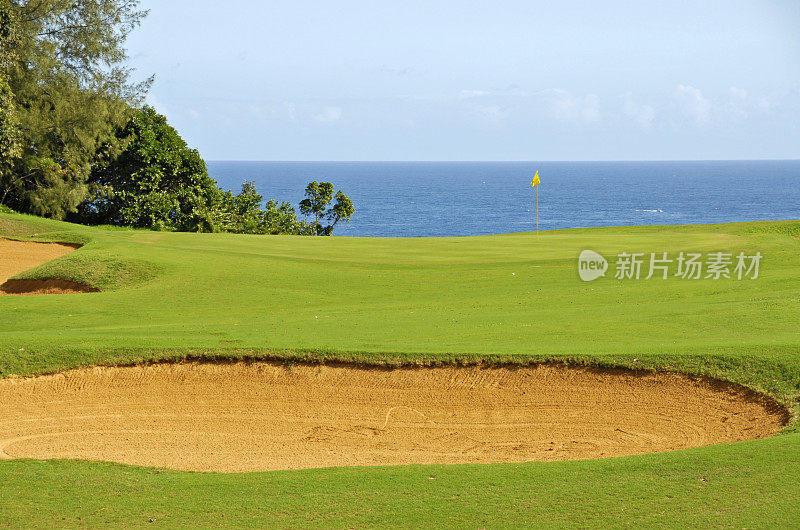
(148,177)
(75,143)
(10,147)
(10,140)
(343,209)
(244,209)
(9,35)
(281,218)
(64,63)
(318,197)
(242,214)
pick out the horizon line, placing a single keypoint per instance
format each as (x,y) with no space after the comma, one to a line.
(510,161)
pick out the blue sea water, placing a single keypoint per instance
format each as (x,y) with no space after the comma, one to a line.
(473,198)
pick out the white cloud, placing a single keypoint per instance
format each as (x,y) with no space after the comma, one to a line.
(738,93)
(641,115)
(693,105)
(467,94)
(512,91)
(579,110)
(515,90)
(329,115)
(492,113)
(763,103)
(291,110)
(741,105)
(736,106)
(400,72)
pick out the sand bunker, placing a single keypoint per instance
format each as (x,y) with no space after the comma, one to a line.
(19,256)
(250,417)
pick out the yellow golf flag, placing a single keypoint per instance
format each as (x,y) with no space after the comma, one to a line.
(535,182)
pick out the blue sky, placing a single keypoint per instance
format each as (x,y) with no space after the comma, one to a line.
(468,80)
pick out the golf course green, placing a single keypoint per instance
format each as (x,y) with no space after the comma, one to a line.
(504,299)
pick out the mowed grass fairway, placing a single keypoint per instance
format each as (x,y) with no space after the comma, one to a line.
(505,298)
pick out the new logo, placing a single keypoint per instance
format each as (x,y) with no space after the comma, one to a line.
(591,265)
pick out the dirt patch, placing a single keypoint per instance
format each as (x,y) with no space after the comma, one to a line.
(251,417)
(40,287)
(19,256)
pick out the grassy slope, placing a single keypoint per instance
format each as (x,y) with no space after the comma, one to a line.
(170,295)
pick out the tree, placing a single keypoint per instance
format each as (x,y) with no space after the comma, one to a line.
(64,63)
(242,214)
(342,210)
(10,147)
(318,197)
(281,218)
(148,177)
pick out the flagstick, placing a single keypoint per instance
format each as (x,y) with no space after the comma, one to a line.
(537,213)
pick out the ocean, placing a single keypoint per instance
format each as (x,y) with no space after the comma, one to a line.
(416,199)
